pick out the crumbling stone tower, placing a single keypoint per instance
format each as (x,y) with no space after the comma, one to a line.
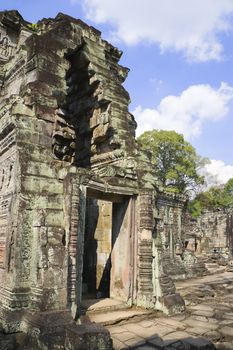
(67,142)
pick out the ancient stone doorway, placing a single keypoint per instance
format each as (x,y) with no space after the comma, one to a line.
(107,257)
(97,249)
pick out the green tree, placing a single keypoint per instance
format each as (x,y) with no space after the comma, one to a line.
(208,200)
(217,197)
(227,195)
(175,160)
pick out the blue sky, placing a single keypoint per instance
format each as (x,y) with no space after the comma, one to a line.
(181,64)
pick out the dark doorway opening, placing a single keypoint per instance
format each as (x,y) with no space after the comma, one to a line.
(97,249)
(107,267)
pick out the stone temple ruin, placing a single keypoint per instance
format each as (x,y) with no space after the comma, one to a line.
(211,236)
(81,212)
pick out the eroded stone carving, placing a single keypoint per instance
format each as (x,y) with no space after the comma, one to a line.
(6,46)
(210,235)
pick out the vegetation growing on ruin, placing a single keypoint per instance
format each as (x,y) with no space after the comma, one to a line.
(175,160)
(217,197)
(33,26)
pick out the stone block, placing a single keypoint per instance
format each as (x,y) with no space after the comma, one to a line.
(213,336)
(171,322)
(224,346)
(227,332)
(156,342)
(203,313)
(135,342)
(200,324)
(198,344)
(196,330)
(118,345)
(173,303)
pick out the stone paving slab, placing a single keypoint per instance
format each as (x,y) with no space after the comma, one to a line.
(124,336)
(136,328)
(160,330)
(202,307)
(155,331)
(192,322)
(145,332)
(117,329)
(148,323)
(180,317)
(229,316)
(196,330)
(156,342)
(213,320)
(199,344)
(224,346)
(226,323)
(227,332)
(200,318)
(204,313)
(213,335)
(206,321)
(222,307)
(176,335)
(118,345)
(171,322)
(135,342)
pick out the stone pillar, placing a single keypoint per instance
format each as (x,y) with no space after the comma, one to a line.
(145,297)
(75,206)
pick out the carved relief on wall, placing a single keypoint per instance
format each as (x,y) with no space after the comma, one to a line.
(7,174)
(146,210)
(6,47)
(2,251)
(6,202)
(7,169)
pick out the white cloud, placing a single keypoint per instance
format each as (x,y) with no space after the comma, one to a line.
(187,112)
(217,172)
(192,26)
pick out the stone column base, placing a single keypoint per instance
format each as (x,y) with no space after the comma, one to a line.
(171,304)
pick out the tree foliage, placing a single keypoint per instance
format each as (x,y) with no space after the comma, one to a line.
(175,160)
(217,197)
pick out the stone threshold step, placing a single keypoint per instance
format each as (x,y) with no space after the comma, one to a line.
(121,316)
(102,305)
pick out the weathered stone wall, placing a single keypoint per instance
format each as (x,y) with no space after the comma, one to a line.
(178,262)
(169,228)
(210,233)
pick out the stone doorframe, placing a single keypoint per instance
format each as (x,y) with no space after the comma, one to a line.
(77,187)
